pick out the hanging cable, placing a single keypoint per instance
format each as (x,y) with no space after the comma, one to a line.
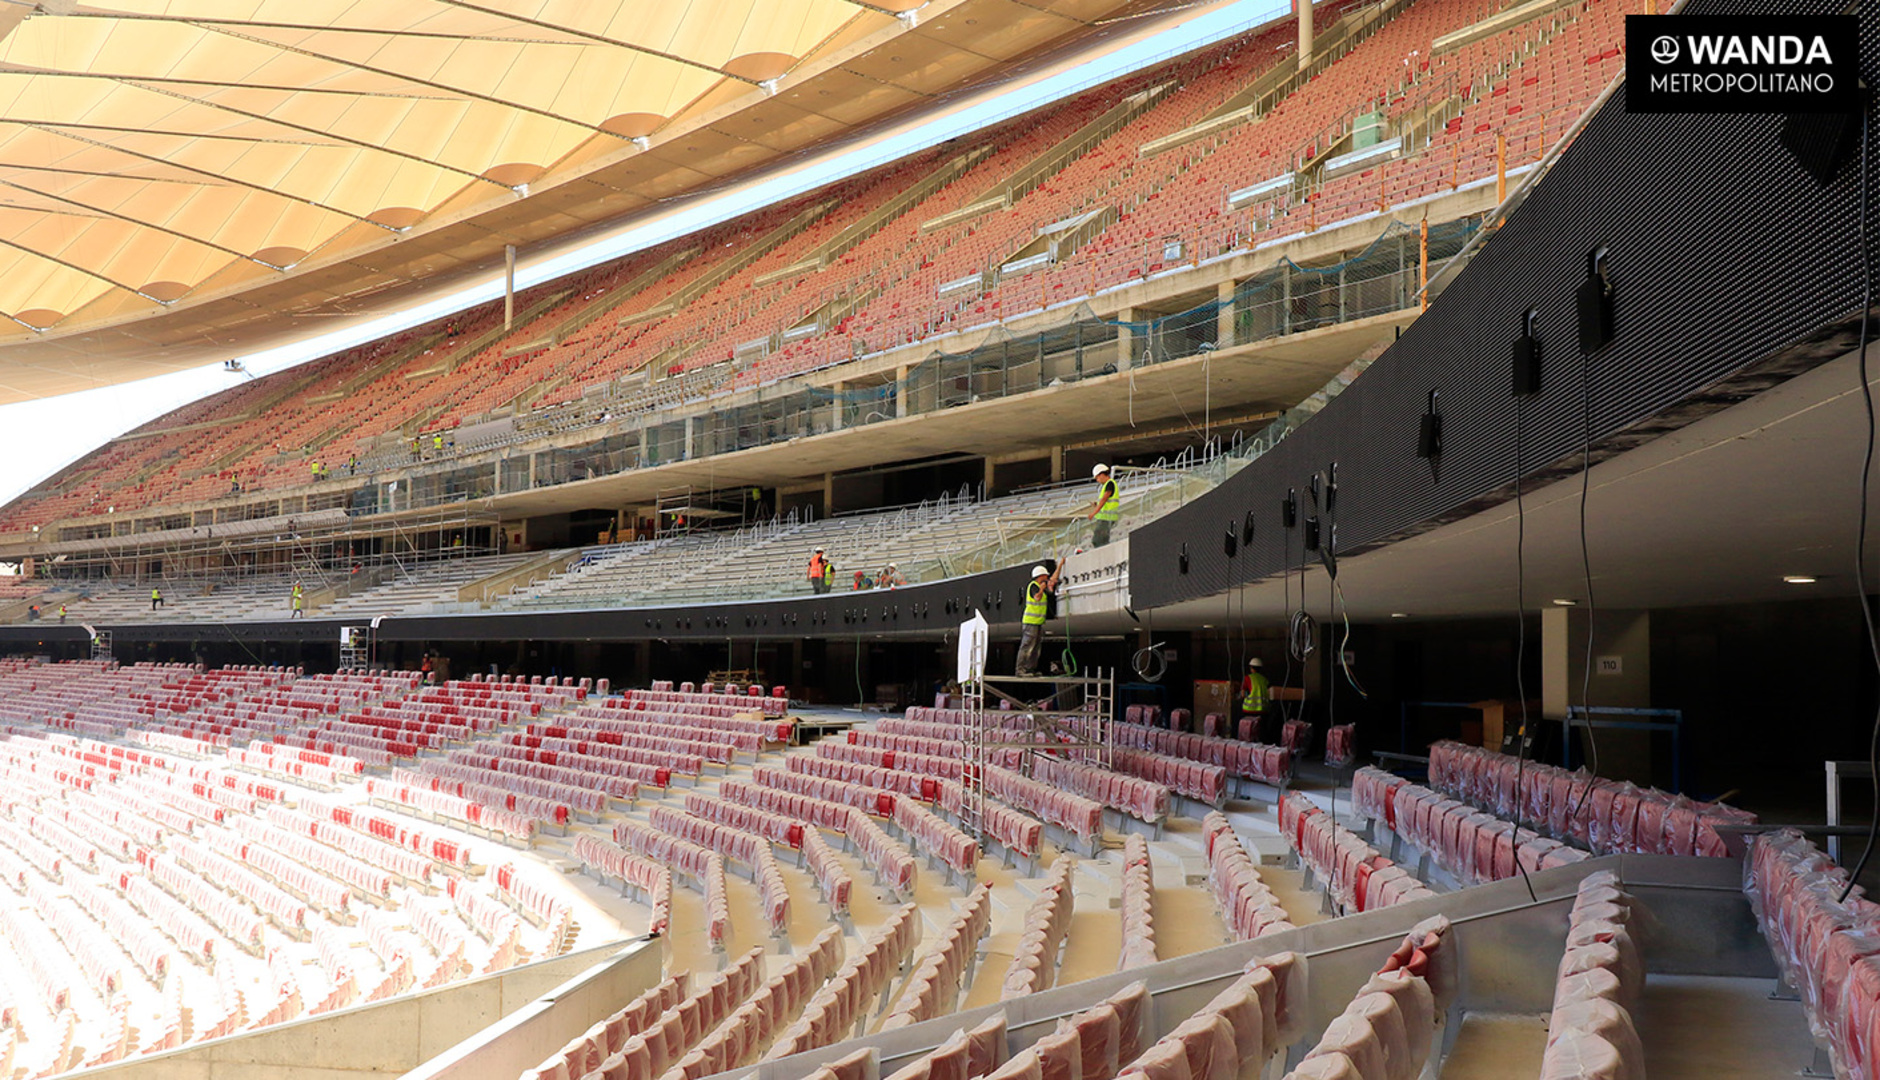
(1520,647)
(1866,474)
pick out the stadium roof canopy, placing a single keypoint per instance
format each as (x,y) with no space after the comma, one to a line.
(178,176)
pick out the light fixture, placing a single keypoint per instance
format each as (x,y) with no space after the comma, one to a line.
(1799,579)
(1400,615)
(1561,601)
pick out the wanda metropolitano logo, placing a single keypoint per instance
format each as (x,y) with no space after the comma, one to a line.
(1742,63)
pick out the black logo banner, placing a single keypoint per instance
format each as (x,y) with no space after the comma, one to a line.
(1742,63)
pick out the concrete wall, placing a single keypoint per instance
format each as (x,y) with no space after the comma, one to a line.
(528,1035)
(390,1038)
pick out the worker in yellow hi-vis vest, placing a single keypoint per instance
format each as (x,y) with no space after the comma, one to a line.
(1106,510)
(1037,606)
(1255,695)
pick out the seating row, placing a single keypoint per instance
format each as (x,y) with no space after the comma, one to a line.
(407,864)
(776,704)
(930,789)
(1474,846)
(1591,1034)
(936,837)
(231,916)
(1357,874)
(492,921)
(776,829)
(934,987)
(316,856)
(1605,816)
(1250,1021)
(832,879)
(473,784)
(748,1032)
(843,1002)
(1252,761)
(889,858)
(651,881)
(734,843)
(772,730)
(1138,903)
(641,736)
(654,767)
(1142,799)
(101,963)
(668,1037)
(1075,814)
(1041,935)
(610,1035)
(1247,906)
(548,907)
(497,819)
(1191,779)
(393,830)
(1826,948)
(287,911)
(544,800)
(1006,757)
(873,800)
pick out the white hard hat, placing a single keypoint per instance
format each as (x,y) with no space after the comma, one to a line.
(1039,571)
(819,549)
(1099,470)
(1255,662)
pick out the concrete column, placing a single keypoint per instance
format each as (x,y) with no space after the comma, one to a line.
(1224,320)
(829,494)
(1124,337)
(1303,9)
(1622,678)
(1057,464)
(509,286)
(689,448)
(900,391)
(988,476)
(835,408)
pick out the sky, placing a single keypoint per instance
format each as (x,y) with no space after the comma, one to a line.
(37,438)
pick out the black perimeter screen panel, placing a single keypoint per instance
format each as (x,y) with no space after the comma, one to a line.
(1731,268)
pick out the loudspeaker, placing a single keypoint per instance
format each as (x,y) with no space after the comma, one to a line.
(1821,142)
(1527,359)
(1312,533)
(1430,435)
(1593,303)
(1246,528)
(1289,508)
(1230,544)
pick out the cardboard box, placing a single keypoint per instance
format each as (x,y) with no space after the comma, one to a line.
(1213,696)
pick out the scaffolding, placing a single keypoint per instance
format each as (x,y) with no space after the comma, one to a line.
(100,644)
(1066,717)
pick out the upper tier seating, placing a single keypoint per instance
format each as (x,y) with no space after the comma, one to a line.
(856,267)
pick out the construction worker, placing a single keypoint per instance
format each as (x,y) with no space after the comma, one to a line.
(889,578)
(156,598)
(298,597)
(829,573)
(818,572)
(61,614)
(1255,696)
(437,442)
(1106,510)
(1037,604)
